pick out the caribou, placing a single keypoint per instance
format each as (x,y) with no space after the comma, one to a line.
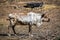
(30,19)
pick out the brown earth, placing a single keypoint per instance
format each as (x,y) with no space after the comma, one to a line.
(47,31)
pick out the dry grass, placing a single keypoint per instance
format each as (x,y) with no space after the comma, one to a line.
(47,31)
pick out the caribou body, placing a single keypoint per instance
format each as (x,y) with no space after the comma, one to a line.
(30,19)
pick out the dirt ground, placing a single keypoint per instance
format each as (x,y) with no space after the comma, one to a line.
(47,31)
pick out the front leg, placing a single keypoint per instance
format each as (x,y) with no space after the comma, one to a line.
(30,29)
(30,26)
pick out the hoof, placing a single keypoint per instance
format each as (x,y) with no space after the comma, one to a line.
(9,35)
(31,35)
(15,34)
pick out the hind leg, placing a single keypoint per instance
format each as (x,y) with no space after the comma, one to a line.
(13,28)
(11,25)
(9,30)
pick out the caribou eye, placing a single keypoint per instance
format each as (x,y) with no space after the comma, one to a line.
(49,20)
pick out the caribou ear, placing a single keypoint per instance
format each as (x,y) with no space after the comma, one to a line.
(46,20)
(7,19)
(42,15)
